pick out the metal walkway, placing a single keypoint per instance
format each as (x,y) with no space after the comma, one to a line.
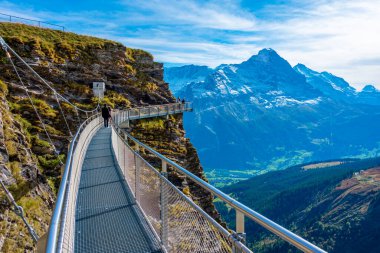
(112,200)
(107,218)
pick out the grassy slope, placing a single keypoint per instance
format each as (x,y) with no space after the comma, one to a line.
(58,45)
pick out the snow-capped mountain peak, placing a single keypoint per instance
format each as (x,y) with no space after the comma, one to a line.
(271,112)
(327,83)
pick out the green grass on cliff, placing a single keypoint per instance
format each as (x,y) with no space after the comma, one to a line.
(58,45)
(3,88)
(65,40)
(53,44)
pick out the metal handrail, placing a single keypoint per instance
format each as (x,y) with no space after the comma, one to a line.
(57,214)
(121,116)
(33,20)
(270,225)
(155,106)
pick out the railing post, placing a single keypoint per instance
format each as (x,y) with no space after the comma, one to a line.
(125,139)
(164,206)
(137,179)
(164,167)
(239,222)
(240,231)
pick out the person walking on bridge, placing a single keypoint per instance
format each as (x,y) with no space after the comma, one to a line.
(106,115)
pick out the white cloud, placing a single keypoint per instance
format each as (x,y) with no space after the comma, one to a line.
(222,14)
(325,35)
(341,37)
(209,53)
(334,36)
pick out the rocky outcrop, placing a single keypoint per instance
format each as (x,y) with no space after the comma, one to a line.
(20,172)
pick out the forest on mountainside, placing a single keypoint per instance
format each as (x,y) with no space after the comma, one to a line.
(336,207)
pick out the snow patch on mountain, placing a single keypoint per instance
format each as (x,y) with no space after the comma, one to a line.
(282,101)
(275,92)
(233,68)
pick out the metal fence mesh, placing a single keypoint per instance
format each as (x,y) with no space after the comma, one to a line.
(148,193)
(180,226)
(188,229)
(150,111)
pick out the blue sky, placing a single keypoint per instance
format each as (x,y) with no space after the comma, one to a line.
(339,36)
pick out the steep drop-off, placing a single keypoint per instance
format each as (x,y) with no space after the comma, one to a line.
(70,63)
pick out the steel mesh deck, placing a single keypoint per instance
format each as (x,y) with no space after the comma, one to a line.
(107,218)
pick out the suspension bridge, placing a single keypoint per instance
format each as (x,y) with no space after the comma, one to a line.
(113,200)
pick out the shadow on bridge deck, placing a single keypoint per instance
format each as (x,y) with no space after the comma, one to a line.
(107,218)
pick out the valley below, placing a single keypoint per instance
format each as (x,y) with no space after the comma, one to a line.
(336,207)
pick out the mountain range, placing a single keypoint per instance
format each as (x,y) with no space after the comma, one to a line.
(263,114)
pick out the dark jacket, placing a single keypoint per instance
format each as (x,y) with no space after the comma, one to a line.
(105,113)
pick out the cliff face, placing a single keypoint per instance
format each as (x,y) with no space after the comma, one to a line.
(21,173)
(70,63)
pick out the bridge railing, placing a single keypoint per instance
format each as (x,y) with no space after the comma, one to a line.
(134,167)
(62,231)
(151,111)
(10,18)
(179,224)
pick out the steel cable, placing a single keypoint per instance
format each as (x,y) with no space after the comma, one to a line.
(6,46)
(32,103)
